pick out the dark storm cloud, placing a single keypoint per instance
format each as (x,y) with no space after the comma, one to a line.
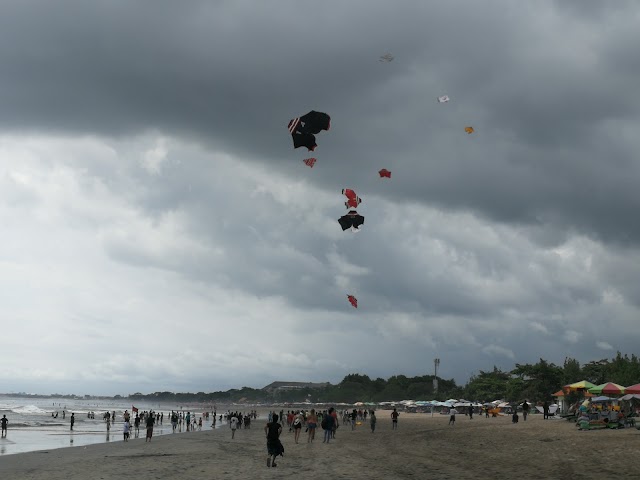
(548,97)
(456,257)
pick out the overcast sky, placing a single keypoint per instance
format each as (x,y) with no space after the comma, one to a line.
(158,231)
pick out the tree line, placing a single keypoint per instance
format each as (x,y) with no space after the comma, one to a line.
(534,382)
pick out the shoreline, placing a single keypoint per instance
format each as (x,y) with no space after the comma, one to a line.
(422,447)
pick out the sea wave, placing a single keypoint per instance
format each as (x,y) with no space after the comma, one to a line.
(29,410)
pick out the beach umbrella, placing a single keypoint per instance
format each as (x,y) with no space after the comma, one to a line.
(583,385)
(635,389)
(600,399)
(630,396)
(608,389)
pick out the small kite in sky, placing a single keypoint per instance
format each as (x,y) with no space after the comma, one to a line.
(303,129)
(351,220)
(443,99)
(353,200)
(387,57)
(469,130)
(385,173)
(353,301)
(310,162)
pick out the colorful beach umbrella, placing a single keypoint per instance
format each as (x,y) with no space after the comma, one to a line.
(608,389)
(583,385)
(633,389)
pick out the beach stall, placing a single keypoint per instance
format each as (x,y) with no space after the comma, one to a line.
(560,400)
(582,387)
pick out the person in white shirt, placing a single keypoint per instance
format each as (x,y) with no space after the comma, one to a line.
(233,423)
(452,418)
(127,428)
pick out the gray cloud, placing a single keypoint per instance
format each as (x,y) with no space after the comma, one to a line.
(147,181)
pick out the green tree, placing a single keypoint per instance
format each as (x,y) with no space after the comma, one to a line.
(596,371)
(541,380)
(487,386)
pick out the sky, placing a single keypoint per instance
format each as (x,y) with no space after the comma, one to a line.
(158,231)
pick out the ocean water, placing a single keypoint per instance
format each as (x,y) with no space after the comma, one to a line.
(32,427)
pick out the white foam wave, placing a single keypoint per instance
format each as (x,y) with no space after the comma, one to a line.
(29,410)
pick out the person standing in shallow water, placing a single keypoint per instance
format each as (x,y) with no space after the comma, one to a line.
(150,421)
(73,420)
(4,420)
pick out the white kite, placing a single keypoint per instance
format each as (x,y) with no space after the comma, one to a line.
(443,99)
(387,57)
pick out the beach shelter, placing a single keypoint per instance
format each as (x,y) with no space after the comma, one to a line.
(633,389)
(608,389)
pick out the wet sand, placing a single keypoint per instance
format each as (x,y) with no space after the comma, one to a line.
(422,447)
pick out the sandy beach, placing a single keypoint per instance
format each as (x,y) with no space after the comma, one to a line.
(422,447)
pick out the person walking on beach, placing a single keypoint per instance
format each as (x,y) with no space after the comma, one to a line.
(273,430)
(545,410)
(470,412)
(394,419)
(150,421)
(233,423)
(336,424)
(452,416)
(4,420)
(373,420)
(312,423)
(525,410)
(73,420)
(327,425)
(297,426)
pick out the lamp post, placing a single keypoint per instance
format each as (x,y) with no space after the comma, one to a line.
(436,364)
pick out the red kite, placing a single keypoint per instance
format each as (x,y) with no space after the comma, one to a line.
(353,300)
(385,173)
(353,200)
(310,162)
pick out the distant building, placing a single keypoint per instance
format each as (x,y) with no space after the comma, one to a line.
(281,386)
